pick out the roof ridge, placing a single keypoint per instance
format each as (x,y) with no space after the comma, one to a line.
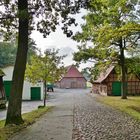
(104,74)
(74,73)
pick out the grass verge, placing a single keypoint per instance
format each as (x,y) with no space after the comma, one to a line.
(29,118)
(130,106)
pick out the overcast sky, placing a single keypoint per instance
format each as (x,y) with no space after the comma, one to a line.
(59,41)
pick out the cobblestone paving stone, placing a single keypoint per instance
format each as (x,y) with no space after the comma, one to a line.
(95,121)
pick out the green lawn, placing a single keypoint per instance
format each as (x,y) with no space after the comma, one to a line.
(29,119)
(130,106)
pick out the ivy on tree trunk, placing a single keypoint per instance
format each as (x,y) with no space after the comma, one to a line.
(15,100)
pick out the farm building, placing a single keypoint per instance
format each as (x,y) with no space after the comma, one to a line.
(2,92)
(108,83)
(30,91)
(72,79)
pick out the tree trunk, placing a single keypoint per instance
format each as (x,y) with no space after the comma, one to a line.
(15,100)
(45,93)
(122,60)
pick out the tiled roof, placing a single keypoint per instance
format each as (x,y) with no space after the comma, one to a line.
(104,75)
(72,72)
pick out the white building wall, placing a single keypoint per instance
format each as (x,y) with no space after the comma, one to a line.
(8,73)
(26,91)
(27,85)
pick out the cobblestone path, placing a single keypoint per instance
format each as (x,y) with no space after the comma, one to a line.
(95,121)
(78,116)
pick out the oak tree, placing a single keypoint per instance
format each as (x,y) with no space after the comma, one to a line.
(110,25)
(23,16)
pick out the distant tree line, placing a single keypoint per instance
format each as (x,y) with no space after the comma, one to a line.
(8,52)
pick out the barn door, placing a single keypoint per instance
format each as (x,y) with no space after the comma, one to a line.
(116,88)
(73,85)
(35,93)
(7,86)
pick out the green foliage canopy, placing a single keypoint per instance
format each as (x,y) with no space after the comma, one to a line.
(107,23)
(7,54)
(43,15)
(111,26)
(46,68)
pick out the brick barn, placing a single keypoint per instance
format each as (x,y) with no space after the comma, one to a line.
(108,83)
(72,79)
